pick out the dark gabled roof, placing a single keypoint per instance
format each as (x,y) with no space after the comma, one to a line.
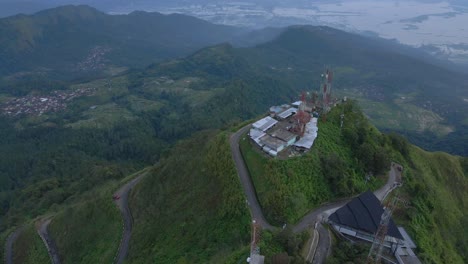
(364,213)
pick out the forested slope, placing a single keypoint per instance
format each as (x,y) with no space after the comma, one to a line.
(79,41)
(191,208)
(49,162)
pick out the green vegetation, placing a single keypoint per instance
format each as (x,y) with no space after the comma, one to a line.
(334,168)
(347,252)
(435,184)
(29,248)
(127,123)
(379,74)
(278,246)
(191,208)
(89,43)
(436,187)
(90,230)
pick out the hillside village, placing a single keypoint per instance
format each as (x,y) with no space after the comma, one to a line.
(37,105)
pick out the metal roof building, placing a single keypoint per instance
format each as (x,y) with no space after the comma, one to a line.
(272,145)
(287,113)
(264,124)
(255,135)
(362,214)
(311,132)
(285,136)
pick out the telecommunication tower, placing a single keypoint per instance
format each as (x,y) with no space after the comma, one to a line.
(327,89)
(375,252)
(301,118)
(256,230)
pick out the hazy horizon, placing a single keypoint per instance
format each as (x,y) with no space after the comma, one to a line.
(438,26)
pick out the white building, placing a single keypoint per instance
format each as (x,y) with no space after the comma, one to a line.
(264,124)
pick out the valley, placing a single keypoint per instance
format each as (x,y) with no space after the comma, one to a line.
(145,157)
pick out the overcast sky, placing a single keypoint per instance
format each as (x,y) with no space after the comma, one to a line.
(12,7)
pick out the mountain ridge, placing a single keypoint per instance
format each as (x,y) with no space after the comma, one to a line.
(61,37)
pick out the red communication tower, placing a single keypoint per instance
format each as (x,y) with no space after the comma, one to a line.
(256,230)
(301,118)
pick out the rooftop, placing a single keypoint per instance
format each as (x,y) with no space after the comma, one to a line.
(287,113)
(271,142)
(364,213)
(283,135)
(265,123)
(309,136)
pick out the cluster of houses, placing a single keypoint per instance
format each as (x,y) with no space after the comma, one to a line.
(276,132)
(36,105)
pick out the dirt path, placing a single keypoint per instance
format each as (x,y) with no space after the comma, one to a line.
(9,245)
(42,230)
(122,203)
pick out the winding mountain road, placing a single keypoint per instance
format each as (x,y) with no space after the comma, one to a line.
(9,245)
(249,189)
(308,221)
(122,203)
(42,230)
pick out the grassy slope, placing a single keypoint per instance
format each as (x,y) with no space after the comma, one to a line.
(288,189)
(29,248)
(90,231)
(436,184)
(191,209)
(437,187)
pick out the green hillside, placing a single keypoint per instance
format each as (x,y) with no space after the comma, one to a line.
(437,187)
(89,231)
(73,41)
(334,168)
(191,213)
(435,184)
(399,92)
(189,207)
(29,248)
(127,123)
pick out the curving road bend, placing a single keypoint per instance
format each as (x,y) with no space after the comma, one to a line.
(249,189)
(9,245)
(122,203)
(323,212)
(43,232)
(323,248)
(317,215)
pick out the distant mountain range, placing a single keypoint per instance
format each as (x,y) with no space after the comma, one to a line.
(74,40)
(399,88)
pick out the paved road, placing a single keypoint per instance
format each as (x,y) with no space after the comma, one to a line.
(9,245)
(122,203)
(323,249)
(320,214)
(43,232)
(249,190)
(313,246)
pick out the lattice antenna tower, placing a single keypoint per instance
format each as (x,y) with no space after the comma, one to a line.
(256,230)
(327,80)
(342,117)
(375,252)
